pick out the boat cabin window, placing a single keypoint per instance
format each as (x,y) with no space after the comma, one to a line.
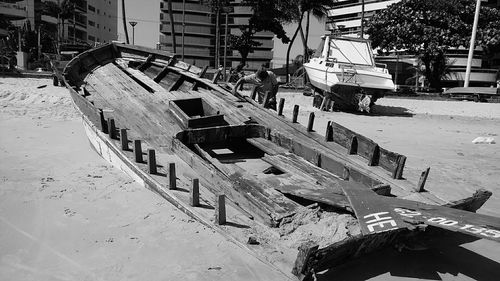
(350,51)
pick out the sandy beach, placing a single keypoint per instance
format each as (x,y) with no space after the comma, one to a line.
(66,214)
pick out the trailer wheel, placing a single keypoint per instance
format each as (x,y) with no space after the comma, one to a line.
(55,81)
(476,98)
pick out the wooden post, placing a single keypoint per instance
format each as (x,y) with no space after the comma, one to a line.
(195,193)
(254,93)
(111,128)
(172,178)
(353,145)
(317,158)
(151,161)
(216,76)
(295,113)
(423,179)
(346,173)
(203,71)
(265,101)
(374,156)
(104,125)
(398,172)
(280,106)
(138,151)
(124,139)
(220,209)
(306,251)
(310,124)
(85,92)
(329,132)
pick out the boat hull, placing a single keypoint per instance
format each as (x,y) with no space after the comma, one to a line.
(235,147)
(348,88)
(327,79)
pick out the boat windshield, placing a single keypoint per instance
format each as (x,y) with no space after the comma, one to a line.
(350,51)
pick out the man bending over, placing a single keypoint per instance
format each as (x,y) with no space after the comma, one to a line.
(265,81)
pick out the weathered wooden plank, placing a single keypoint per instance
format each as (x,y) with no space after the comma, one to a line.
(310,123)
(217,182)
(455,220)
(423,178)
(295,113)
(220,134)
(143,66)
(257,187)
(280,106)
(365,147)
(342,251)
(175,86)
(87,109)
(473,203)
(267,146)
(373,214)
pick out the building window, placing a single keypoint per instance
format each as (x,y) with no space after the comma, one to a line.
(91,23)
(91,8)
(91,38)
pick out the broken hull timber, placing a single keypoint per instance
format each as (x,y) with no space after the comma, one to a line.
(228,142)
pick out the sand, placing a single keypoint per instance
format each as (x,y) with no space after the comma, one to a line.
(66,214)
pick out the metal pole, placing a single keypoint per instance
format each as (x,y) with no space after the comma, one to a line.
(225,46)
(19,38)
(74,23)
(472,42)
(217,38)
(39,41)
(133,24)
(183,25)
(397,69)
(58,32)
(362,17)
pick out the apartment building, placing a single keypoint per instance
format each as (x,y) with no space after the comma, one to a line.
(93,21)
(195,34)
(347,15)
(102,20)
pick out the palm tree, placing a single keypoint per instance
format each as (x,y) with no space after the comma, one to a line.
(124,18)
(172,28)
(61,10)
(319,9)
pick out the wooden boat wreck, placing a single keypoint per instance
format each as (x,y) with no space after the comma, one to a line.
(301,201)
(344,72)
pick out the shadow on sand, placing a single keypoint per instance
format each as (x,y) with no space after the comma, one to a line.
(384,110)
(427,264)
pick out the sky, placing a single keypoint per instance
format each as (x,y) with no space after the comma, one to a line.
(147,15)
(147,31)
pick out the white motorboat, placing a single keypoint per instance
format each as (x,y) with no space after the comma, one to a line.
(343,70)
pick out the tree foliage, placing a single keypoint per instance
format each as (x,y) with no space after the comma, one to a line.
(243,43)
(267,16)
(298,9)
(428,28)
(271,16)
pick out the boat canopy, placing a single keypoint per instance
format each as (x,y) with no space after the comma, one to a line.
(345,50)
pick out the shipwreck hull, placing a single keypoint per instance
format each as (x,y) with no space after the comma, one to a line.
(269,168)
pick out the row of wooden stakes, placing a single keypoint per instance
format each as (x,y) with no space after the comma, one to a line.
(109,127)
(352,149)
